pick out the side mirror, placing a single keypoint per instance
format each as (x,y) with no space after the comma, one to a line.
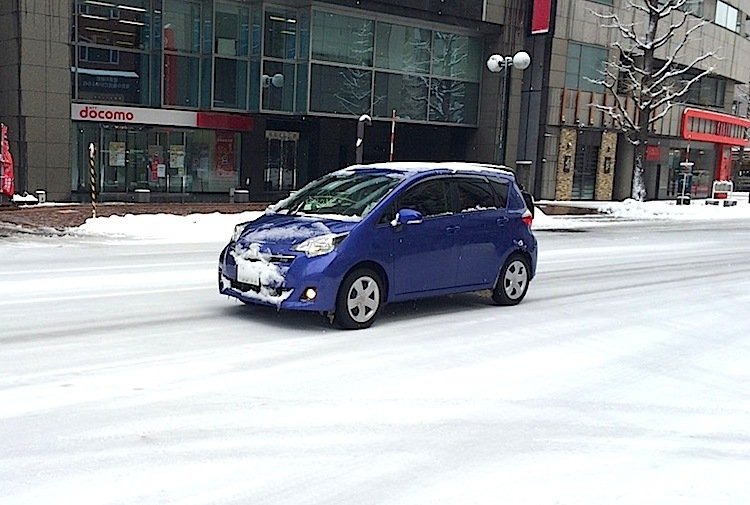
(407,216)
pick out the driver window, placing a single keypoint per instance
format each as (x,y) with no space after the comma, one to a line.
(430,198)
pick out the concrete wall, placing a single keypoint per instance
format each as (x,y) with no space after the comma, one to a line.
(35,96)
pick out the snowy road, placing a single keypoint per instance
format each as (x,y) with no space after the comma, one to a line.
(623,378)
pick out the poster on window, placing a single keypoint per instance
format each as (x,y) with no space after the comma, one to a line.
(177,156)
(154,157)
(117,154)
(225,154)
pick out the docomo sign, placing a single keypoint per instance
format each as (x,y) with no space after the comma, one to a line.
(137,115)
(162,117)
(94,113)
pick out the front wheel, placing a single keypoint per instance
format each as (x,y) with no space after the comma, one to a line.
(513,281)
(359,300)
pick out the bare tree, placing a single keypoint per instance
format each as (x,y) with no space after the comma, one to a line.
(653,84)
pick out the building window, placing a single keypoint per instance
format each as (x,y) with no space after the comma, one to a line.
(124,26)
(403,48)
(181,35)
(709,91)
(453,101)
(177,89)
(456,56)
(280,36)
(726,16)
(422,74)
(340,90)
(277,85)
(109,58)
(584,65)
(342,39)
(231,46)
(405,93)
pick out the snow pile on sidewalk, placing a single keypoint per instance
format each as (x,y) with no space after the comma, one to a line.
(217,227)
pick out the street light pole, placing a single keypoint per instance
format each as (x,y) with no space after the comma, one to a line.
(496,63)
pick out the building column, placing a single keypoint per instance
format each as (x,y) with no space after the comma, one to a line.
(565,163)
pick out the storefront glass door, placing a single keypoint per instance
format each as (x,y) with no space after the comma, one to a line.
(281,161)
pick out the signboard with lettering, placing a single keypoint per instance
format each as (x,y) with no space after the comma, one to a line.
(166,117)
(710,126)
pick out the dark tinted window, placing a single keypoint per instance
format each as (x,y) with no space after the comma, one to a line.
(474,194)
(430,198)
(501,192)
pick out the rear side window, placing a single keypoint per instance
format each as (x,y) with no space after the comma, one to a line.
(429,197)
(474,194)
(501,192)
(515,200)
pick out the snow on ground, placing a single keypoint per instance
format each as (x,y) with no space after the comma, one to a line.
(217,227)
(626,384)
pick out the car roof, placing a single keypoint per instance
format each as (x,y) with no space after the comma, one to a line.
(421,167)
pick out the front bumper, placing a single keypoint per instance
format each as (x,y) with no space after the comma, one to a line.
(281,281)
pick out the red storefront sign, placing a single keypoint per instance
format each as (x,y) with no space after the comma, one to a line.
(721,129)
(710,126)
(541,16)
(653,153)
(163,117)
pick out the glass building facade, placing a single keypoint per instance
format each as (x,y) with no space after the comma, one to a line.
(266,85)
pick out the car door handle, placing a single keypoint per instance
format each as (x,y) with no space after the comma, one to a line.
(452,229)
(502,220)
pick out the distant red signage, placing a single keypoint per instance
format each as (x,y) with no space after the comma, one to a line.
(653,153)
(541,16)
(225,154)
(7,186)
(710,126)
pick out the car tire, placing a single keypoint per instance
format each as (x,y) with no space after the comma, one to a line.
(513,281)
(359,300)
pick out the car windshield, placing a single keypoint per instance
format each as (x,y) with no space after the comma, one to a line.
(344,193)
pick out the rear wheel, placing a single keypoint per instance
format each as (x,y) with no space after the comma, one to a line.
(513,281)
(359,299)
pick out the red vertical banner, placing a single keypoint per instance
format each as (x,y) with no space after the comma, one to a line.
(724,169)
(541,16)
(7,181)
(225,154)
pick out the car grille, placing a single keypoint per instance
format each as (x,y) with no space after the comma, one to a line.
(243,286)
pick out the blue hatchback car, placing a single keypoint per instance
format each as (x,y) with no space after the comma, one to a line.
(355,239)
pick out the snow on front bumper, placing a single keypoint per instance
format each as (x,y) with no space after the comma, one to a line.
(255,276)
(279,280)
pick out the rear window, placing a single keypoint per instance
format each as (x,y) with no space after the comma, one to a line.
(475,194)
(501,192)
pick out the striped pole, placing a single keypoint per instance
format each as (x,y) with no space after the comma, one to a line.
(393,133)
(92,175)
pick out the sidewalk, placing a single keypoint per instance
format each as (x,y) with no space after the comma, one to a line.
(54,218)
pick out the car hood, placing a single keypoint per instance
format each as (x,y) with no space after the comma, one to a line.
(281,231)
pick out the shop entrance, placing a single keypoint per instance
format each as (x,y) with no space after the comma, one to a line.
(162,160)
(584,170)
(280,172)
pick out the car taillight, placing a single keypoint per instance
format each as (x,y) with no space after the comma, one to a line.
(527,218)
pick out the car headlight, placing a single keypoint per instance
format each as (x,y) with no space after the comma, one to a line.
(238,229)
(322,244)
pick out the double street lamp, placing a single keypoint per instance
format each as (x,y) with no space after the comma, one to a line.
(496,63)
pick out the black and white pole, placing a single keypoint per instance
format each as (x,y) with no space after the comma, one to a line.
(92,177)
(364,119)
(393,134)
